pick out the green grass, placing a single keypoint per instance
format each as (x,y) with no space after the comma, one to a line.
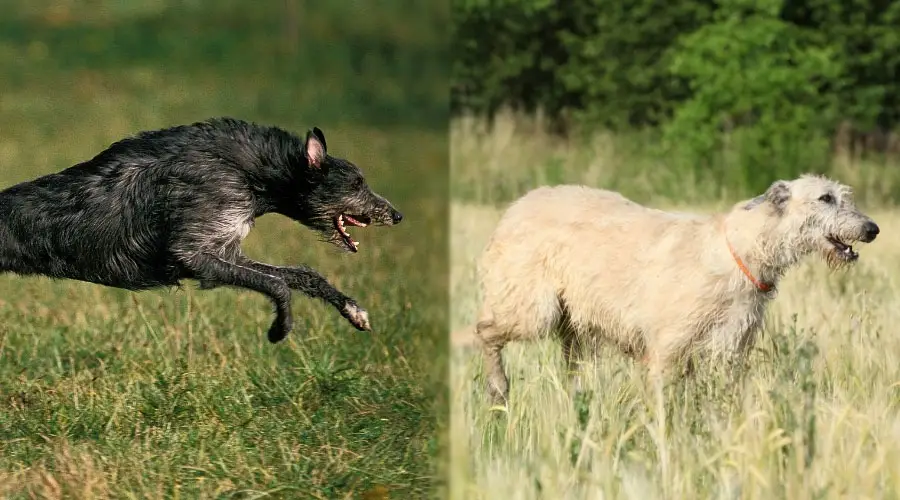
(499,162)
(816,416)
(379,63)
(176,393)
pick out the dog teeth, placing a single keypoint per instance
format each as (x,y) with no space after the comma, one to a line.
(340,225)
(344,233)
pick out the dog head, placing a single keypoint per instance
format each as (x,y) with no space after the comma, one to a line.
(337,196)
(815,214)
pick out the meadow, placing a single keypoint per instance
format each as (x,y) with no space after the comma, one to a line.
(817,414)
(177,393)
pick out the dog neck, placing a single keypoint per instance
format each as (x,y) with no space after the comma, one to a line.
(760,285)
(748,241)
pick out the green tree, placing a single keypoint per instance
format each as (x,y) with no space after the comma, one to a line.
(506,53)
(757,108)
(866,34)
(617,64)
(596,60)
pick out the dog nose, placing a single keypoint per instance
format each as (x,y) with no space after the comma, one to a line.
(872,230)
(397,217)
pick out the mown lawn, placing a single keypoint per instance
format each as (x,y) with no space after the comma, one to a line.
(176,393)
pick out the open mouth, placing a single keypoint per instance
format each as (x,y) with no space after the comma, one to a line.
(843,250)
(342,221)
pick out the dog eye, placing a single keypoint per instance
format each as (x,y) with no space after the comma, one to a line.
(827,198)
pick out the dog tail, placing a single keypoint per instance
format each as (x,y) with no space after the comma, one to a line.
(464,337)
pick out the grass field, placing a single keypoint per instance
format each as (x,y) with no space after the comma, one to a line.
(817,416)
(177,393)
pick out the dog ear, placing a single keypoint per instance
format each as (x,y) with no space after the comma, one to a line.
(755,202)
(315,148)
(321,136)
(778,194)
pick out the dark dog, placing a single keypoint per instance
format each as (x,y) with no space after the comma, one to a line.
(175,204)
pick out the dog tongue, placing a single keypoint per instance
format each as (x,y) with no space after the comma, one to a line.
(353,221)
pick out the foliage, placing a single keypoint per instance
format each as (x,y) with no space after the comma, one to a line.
(755,83)
(534,54)
(732,83)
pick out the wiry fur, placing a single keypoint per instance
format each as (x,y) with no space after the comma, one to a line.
(174,204)
(587,264)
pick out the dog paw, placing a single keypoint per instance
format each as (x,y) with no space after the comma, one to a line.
(279,329)
(358,317)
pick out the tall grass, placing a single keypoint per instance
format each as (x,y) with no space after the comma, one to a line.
(497,161)
(816,416)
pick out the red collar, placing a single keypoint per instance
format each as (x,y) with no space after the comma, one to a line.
(763,287)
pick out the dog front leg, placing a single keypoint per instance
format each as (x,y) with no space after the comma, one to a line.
(211,269)
(313,284)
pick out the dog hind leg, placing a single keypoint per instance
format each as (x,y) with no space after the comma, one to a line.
(496,382)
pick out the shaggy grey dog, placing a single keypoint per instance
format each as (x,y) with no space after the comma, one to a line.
(174,204)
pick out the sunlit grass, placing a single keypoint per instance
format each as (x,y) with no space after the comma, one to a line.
(815,417)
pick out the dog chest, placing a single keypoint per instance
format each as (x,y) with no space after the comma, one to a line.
(236,223)
(230,226)
(244,228)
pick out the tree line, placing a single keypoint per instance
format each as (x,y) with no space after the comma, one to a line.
(768,75)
